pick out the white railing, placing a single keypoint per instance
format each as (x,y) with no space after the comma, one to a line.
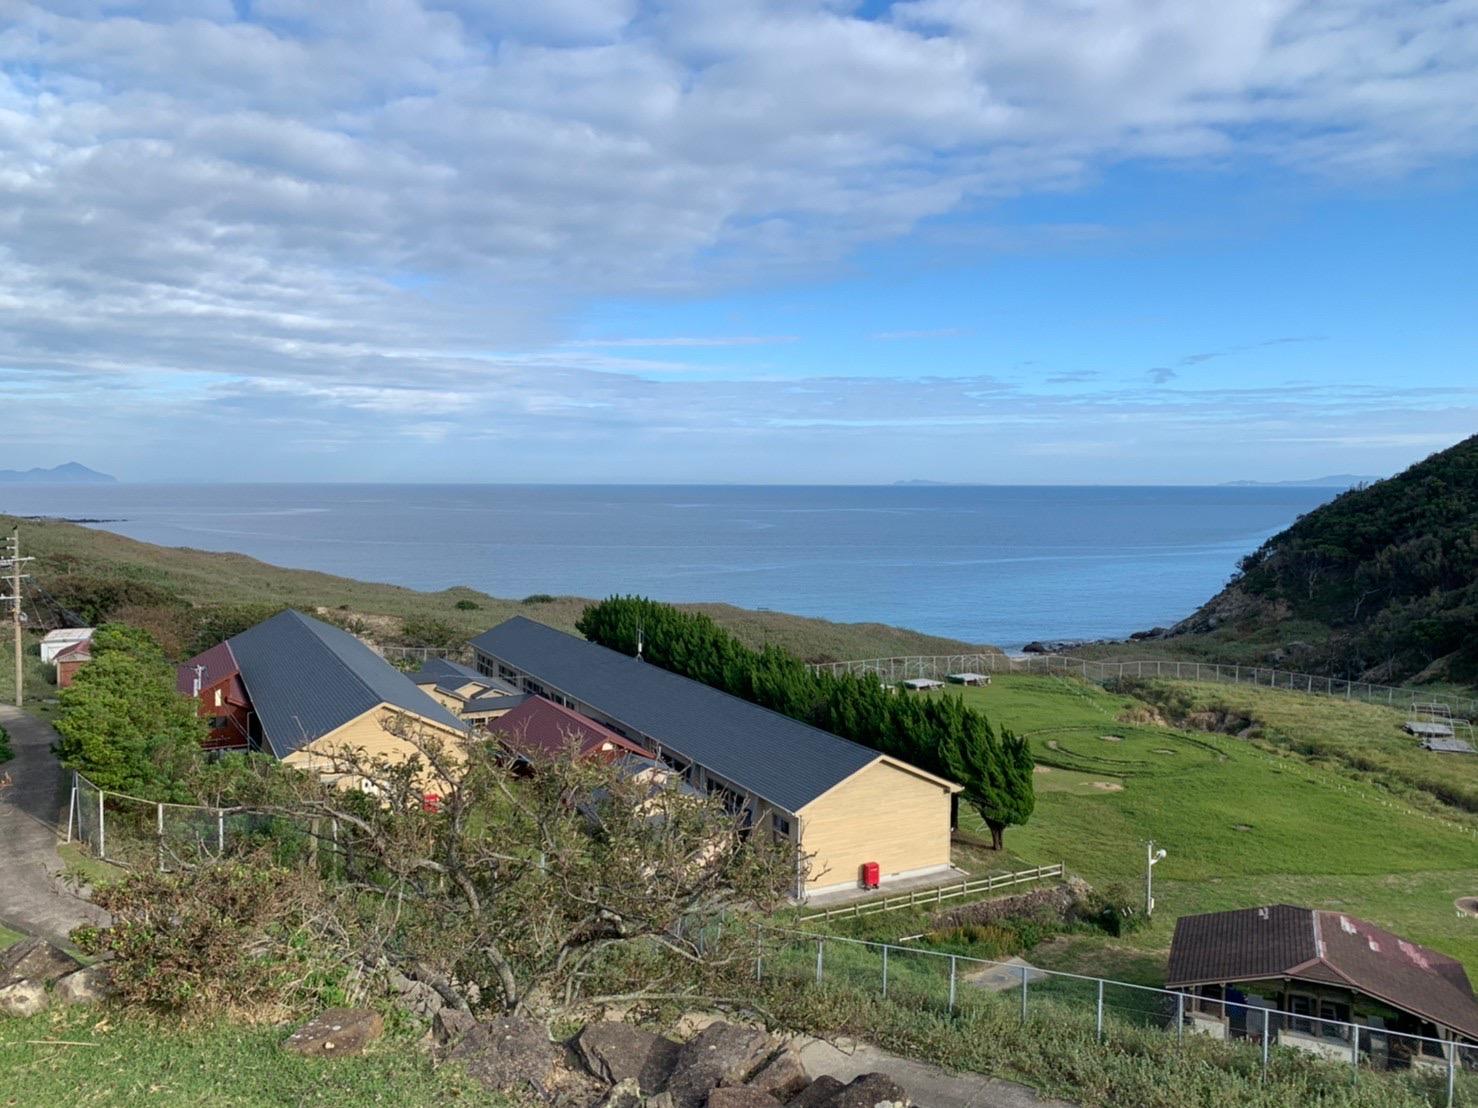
(937,895)
(940,666)
(952,983)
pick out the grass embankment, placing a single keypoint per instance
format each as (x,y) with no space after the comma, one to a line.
(39,677)
(127,1059)
(202,578)
(1243,826)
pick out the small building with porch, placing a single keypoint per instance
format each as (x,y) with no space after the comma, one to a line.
(1325,982)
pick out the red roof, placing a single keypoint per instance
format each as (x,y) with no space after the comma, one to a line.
(77,652)
(218,665)
(539,726)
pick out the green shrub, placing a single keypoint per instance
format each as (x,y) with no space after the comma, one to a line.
(5,752)
(539,598)
(432,632)
(467,606)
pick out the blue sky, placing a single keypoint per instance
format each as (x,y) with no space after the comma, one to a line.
(1114,241)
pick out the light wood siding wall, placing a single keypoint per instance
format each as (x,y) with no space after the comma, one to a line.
(880,814)
(367,732)
(446,700)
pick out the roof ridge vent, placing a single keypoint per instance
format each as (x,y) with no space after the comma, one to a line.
(1347,927)
(1264,913)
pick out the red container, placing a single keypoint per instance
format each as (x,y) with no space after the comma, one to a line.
(430,802)
(871,875)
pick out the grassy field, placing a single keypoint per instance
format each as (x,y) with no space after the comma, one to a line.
(1243,824)
(199,577)
(127,1059)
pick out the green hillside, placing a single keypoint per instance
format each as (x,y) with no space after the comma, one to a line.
(1380,583)
(191,598)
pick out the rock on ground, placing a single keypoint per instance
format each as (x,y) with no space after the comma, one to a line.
(741,1096)
(817,1093)
(449,1025)
(88,985)
(22,998)
(615,1052)
(782,1077)
(624,1094)
(721,1054)
(336,1032)
(508,1053)
(871,1090)
(35,960)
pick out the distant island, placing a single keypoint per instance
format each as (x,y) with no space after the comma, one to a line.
(70,473)
(1332,481)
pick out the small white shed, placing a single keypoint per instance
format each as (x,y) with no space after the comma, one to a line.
(54,642)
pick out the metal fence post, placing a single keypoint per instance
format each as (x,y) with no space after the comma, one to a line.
(102,830)
(885,970)
(1451,1071)
(1180,1017)
(951,982)
(1023,994)
(820,959)
(1265,1021)
(1098,1022)
(221,832)
(72,808)
(159,833)
(1355,1052)
(759,952)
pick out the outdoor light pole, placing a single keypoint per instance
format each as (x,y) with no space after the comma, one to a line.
(1152,858)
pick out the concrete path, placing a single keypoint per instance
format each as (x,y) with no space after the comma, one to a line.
(926,1084)
(33,813)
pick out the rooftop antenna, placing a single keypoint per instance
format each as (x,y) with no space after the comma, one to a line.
(638,640)
(199,673)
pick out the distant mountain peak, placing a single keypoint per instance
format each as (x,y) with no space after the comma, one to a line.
(69,473)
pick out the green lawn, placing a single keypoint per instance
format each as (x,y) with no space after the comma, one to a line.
(129,1059)
(1243,825)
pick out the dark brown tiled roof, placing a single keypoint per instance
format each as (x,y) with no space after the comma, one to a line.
(1283,941)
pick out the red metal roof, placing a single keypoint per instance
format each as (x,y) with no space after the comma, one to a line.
(77,652)
(542,727)
(218,662)
(1283,941)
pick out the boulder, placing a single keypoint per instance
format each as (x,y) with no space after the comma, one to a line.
(88,985)
(782,1077)
(35,960)
(508,1053)
(22,998)
(450,1024)
(871,1090)
(616,1052)
(416,997)
(817,1093)
(336,1032)
(661,1100)
(721,1054)
(741,1096)
(624,1094)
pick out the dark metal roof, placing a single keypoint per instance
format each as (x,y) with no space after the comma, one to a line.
(307,678)
(495,702)
(449,676)
(777,758)
(1281,940)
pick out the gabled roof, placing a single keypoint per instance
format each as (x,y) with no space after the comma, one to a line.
(77,652)
(779,759)
(215,665)
(542,727)
(449,676)
(494,702)
(1282,940)
(307,678)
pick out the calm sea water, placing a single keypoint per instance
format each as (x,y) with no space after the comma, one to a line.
(987,564)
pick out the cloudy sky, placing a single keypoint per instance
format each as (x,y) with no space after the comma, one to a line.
(571,240)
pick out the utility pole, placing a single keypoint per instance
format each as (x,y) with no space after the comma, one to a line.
(14,561)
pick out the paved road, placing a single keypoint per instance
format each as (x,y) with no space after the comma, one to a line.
(33,810)
(925,1084)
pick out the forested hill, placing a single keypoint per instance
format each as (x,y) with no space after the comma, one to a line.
(1382,581)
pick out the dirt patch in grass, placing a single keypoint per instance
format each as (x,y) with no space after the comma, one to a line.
(1467,905)
(1108,786)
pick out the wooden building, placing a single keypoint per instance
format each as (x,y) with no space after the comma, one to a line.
(1324,982)
(302,690)
(472,696)
(844,804)
(69,660)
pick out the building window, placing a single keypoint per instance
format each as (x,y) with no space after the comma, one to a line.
(780,825)
(219,700)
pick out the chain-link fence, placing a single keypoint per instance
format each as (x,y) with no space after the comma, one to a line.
(147,834)
(940,667)
(1256,1037)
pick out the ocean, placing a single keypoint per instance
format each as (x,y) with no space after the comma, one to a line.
(987,564)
